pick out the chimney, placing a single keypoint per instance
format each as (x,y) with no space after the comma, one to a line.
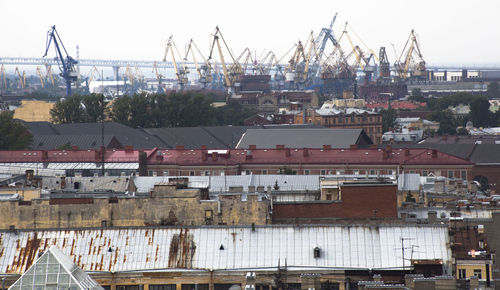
(203,147)
(280,147)
(388,148)
(385,154)
(407,152)
(287,152)
(74,148)
(305,152)
(434,153)
(249,155)
(179,147)
(252,147)
(214,156)
(128,148)
(432,216)
(63,182)
(45,155)
(327,147)
(353,147)
(204,155)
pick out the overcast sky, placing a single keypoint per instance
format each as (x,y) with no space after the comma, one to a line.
(451,32)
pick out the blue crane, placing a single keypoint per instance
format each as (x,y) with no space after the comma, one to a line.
(67,66)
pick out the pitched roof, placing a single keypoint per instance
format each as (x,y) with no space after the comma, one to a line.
(415,156)
(47,142)
(228,247)
(300,138)
(55,269)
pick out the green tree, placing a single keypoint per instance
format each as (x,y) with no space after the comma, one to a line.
(69,110)
(388,119)
(232,114)
(121,110)
(447,123)
(13,134)
(95,107)
(493,90)
(480,114)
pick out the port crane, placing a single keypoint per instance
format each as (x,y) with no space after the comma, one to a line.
(22,79)
(158,77)
(67,65)
(205,69)
(233,74)
(181,72)
(39,73)
(413,59)
(3,79)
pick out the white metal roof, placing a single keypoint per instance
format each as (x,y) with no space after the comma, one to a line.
(223,183)
(228,247)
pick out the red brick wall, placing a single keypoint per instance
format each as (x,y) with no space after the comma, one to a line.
(492,172)
(357,202)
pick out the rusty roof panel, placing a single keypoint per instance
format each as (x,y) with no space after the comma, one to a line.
(226,247)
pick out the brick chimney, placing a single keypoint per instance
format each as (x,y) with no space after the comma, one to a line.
(179,147)
(385,154)
(204,155)
(214,156)
(407,152)
(327,147)
(203,147)
(252,147)
(353,147)
(280,147)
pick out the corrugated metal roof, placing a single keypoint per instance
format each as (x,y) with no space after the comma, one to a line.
(223,183)
(409,182)
(228,247)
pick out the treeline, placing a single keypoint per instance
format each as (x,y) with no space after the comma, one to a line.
(480,114)
(181,109)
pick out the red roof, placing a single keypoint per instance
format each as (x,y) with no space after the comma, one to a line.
(415,156)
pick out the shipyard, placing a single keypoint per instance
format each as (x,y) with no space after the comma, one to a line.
(265,145)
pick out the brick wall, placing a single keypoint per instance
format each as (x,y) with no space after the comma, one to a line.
(364,201)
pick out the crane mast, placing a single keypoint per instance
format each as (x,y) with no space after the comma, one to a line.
(67,66)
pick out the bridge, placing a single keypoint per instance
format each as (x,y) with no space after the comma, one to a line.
(87,62)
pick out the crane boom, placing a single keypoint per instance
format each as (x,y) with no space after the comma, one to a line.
(67,66)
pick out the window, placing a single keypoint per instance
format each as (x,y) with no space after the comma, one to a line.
(389,172)
(129,287)
(207,173)
(194,286)
(450,173)
(162,287)
(328,197)
(306,172)
(352,119)
(477,273)
(356,172)
(323,172)
(462,274)
(150,172)
(425,172)
(248,172)
(372,172)
(264,172)
(463,174)
(165,173)
(191,173)
(412,171)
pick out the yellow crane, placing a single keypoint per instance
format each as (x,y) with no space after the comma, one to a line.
(39,73)
(22,79)
(205,69)
(233,75)
(412,59)
(158,77)
(129,74)
(181,72)
(49,74)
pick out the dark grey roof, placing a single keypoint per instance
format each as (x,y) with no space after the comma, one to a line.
(300,138)
(42,128)
(47,142)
